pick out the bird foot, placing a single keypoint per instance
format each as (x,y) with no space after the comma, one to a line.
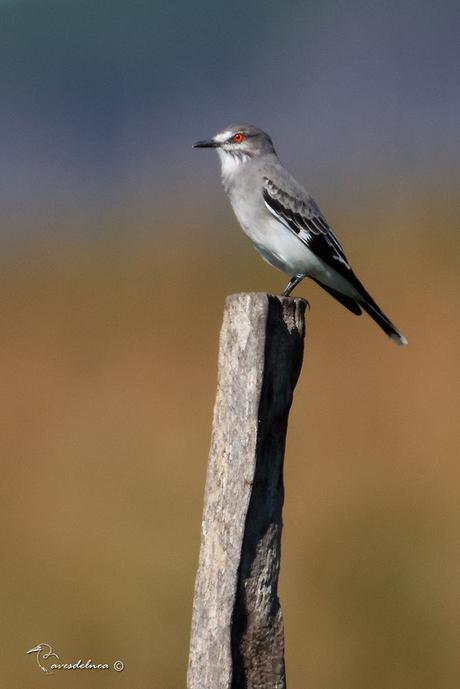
(293,282)
(287,293)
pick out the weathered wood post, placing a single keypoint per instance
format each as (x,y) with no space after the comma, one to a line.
(237,639)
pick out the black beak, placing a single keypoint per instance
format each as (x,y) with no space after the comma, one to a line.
(206,143)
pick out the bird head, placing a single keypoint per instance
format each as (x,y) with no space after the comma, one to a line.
(240,141)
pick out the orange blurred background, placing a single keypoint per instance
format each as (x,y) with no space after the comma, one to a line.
(108,359)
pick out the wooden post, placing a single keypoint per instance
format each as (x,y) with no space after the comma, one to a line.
(237,639)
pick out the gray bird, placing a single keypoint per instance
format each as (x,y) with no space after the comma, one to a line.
(284,223)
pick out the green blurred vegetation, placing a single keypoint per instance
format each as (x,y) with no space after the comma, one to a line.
(108,356)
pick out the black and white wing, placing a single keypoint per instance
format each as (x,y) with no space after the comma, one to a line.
(304,219)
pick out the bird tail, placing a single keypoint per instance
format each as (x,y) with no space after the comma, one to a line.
(375,312)
(383,321)
(366,302)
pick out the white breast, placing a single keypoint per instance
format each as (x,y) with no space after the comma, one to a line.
(230,162)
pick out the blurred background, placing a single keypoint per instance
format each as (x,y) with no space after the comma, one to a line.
(118,248)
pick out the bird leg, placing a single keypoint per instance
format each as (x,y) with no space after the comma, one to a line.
(293,282)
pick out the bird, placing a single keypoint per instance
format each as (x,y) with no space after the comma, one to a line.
(284,222)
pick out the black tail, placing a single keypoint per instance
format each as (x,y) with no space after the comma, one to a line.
(379,317)
(368,304)
(376,313)
(348,302)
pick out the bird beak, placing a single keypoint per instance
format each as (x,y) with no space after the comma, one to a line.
(34,650)
(206,143)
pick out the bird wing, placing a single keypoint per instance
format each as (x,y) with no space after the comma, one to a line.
(304,219)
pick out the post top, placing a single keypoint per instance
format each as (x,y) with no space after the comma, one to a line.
(247,304)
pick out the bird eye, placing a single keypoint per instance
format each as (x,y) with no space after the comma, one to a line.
(238,138)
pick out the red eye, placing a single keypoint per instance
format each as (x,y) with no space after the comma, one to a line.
(238,138)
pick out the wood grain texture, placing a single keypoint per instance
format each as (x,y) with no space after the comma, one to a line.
(237,639)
